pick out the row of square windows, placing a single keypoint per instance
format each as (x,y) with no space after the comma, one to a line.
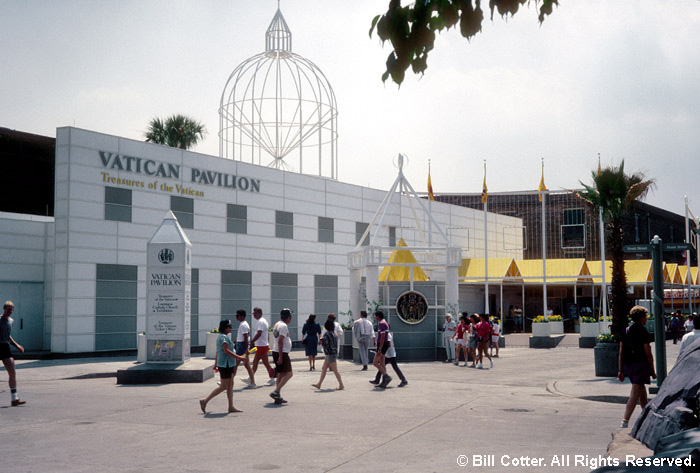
(118,208)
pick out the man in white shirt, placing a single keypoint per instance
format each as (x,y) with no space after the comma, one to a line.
(688,325)
(449,327)
(283,345)
(262,346)
(242,346)
(690,337)
(363,331)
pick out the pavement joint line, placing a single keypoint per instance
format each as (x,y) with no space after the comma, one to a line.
(402,434)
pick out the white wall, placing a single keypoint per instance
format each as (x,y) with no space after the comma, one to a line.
(83,238)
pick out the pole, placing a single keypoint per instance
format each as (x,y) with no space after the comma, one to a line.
(660,327)
(603,289)
(687,258)
(544,259)
(486,259)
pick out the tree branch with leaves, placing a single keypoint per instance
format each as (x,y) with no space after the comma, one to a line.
(412,29)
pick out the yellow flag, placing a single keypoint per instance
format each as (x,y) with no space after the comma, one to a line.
(542,187)
(430,186)
(484,190)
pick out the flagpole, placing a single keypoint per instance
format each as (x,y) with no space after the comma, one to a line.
(430,209)
(603,289)
(486,245)
(544,249)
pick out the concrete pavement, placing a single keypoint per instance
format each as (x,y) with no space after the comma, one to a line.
(534,406)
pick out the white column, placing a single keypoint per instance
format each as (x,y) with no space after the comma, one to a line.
(452,287)
(372,286)
(356,302)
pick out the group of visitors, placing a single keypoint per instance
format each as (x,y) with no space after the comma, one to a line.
(229,355)
(677,326)
(474,337)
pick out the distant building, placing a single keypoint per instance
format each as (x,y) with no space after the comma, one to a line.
(572,228)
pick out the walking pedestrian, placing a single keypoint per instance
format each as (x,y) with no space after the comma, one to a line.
(461,341)
(391,359)
(6,340)
(330,349)
(224,363)
(636,361)
(483,330)
(242,346)
(309,337)
(675,326)
(495,336)
(337,329)
(472,338)
(363,331)
(383,345)
(262,346)
(283,345)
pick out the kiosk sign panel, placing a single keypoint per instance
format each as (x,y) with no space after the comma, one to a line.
(168,283)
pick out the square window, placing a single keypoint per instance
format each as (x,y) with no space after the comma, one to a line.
(236,218)
(284,224)
(117,204)
(360,228)
(325,230)
(183,208)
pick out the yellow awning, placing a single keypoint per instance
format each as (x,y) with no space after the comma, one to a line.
(558,270)
(671,270)
(637,271)
(474,269)
(682,275)
(694,275)
(402,273)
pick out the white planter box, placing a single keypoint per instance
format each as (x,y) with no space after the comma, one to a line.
(605,327)
(541,330)
(590,330)
(141,353)
(556,327)
(210,351)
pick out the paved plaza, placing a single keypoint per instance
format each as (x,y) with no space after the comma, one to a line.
(535,405)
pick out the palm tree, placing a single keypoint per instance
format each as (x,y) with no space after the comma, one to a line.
(613,192)
(177,131)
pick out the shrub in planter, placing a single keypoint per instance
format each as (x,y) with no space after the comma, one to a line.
(606,354)
(540,327)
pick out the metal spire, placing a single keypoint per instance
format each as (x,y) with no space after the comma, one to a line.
(278,36)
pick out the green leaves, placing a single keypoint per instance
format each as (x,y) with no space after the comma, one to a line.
(412,29)
(178,131)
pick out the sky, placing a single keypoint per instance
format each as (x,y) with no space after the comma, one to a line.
(620,79)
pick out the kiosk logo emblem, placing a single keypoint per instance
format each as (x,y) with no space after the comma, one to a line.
(166,256)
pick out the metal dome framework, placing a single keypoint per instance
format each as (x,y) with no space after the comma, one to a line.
(280,105)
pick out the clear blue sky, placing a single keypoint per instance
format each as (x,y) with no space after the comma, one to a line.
(617,78)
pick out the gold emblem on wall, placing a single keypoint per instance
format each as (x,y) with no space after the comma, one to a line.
(412,307)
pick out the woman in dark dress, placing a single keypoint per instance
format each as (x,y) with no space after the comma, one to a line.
(636,361)
(309,337)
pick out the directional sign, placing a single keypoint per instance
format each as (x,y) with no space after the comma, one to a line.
(677,246)
(636,248)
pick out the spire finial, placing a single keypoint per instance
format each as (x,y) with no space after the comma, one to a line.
(278,36)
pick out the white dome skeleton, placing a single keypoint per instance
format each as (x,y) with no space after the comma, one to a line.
(279,103)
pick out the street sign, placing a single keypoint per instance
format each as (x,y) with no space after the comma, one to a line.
(677,246)
(636,248)
(666,247)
